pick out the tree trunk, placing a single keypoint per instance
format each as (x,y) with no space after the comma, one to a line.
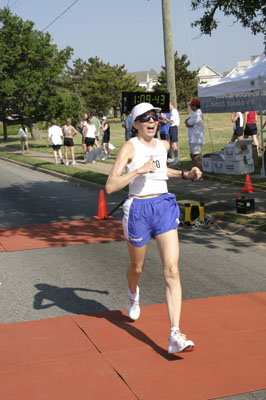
(35,133)
(116,112)
(5,130)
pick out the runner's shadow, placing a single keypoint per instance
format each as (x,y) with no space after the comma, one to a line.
(122,321)
(67,299)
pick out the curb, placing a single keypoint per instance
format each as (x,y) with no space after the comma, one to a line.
(71,179)
(230,229)
(227,228)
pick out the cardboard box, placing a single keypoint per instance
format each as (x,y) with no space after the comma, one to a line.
(219,167)
(217,155)
(235,151)
(207,164)
(255,156)
(240,167)
(218,162)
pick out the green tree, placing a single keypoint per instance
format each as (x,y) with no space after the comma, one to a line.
(186,80)
(250,13)
(100,85)
(30,71)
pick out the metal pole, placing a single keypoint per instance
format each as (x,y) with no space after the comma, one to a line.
(209,132)
(169,50)
(262,171)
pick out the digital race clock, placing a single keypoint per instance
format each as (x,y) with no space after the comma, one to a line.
(157,99)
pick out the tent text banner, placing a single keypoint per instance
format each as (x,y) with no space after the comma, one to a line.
(245,101)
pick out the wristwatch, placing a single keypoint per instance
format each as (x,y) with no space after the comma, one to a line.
(183,175)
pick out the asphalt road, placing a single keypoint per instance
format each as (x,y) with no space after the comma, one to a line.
(87,278)
(47,283)
(29,197)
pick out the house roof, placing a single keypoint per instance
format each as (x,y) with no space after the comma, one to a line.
(205,66)
(233,71)
(141,76)
(153,73)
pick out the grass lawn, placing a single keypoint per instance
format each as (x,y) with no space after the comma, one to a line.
(218,132)
(254,220)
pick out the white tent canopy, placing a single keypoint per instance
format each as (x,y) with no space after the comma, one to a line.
(242,91)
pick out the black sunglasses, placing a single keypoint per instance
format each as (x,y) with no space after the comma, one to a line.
(147,117)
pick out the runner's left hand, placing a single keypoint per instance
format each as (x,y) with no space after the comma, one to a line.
(194,173)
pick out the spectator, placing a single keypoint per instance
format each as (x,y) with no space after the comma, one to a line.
(237,119)
(250,127)
(105,138)
(164,125)
(128,126)
(55,135)
(69,132)
(83,124)
(164,130)
(196,138)
(173,132)
(23,133)
(97,124)
(89,135)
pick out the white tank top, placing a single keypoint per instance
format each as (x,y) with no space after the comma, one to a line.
(91,131)
(151,182)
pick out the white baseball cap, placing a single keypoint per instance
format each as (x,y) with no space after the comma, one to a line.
(104,118)
(142,108)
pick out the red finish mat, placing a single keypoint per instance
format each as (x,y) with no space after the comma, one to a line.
(105,355)
(60,234)
(53,359)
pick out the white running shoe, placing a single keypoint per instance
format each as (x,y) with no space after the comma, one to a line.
(73,162)
(175,162)
(67,163)
(132,306)
(178,342)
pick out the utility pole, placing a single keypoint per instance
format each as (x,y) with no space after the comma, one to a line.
(169,50)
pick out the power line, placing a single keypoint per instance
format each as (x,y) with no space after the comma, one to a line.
(51,23)
(15,2)
(189,37)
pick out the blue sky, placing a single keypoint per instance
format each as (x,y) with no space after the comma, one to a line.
(130,32)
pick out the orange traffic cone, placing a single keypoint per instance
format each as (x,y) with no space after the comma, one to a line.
(102,207)
(248,188)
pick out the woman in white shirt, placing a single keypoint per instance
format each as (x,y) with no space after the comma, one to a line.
(150,212)
(89,134)
(23,133)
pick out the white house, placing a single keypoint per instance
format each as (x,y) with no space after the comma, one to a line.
(242,64)
(207,74)
(146,79)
